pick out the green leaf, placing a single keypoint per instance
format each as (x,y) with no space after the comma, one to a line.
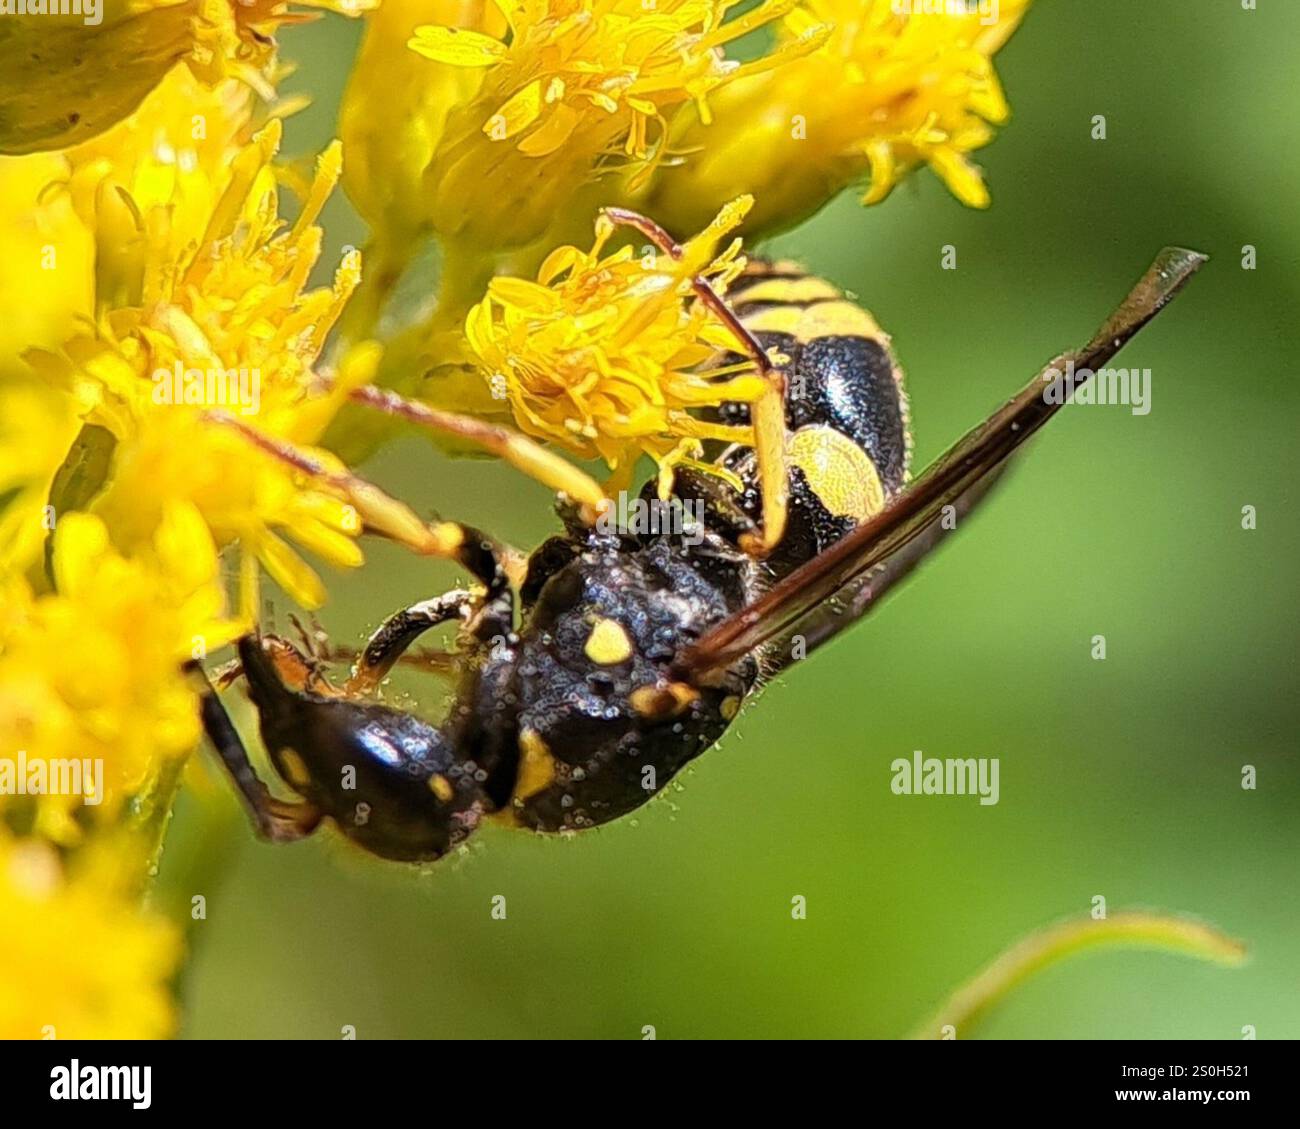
(80,478)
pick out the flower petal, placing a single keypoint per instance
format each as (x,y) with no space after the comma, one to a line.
(458,47)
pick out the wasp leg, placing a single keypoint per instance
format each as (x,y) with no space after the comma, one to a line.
(430,660)
(310,640)
(402,629)
(489,562)
(720,502)
(276,820)
(767,404)
(518,450)
(380,512)
(227,674)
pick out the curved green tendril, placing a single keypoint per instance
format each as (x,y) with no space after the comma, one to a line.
(1132,929)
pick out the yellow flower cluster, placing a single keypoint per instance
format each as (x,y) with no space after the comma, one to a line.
(122,707)
(152,285)
(577,85)
(154,297)
(560,348)
(198,301)
(56,89)
(890,89)
(532,114)
(228,325)
(80,960)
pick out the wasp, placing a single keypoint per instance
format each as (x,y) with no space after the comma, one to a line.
(588,676)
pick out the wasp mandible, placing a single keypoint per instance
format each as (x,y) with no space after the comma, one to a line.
(585,680)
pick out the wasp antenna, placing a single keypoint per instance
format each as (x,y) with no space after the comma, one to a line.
(768,407)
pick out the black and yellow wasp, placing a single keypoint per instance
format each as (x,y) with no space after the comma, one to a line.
(614,659)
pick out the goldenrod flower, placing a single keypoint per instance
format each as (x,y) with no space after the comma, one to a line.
(395,109)
(223,322)
(79,224)
(92,671)
(579,86)
(147,188)
(78,959)
(895,86)
(603,354)
(236,38)
(37,426)
(47,284)
(176,213)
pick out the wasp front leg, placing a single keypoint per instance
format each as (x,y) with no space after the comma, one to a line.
(400,630)
(276,820)
(524,454)
(488,561)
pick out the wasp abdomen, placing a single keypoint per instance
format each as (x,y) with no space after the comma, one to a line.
(840,371)
(846,409)
(392,783)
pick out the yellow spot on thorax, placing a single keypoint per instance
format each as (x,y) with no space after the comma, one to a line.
(536,766)
(441,787)
(839,472)
(608,643)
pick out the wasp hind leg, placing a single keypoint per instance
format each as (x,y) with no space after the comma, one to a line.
(278,821)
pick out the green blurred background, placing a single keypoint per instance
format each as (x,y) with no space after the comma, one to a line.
(1119,778)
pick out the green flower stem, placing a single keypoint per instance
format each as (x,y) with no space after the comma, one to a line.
(1130,929)
(151,814)
(382,266)
(466,272)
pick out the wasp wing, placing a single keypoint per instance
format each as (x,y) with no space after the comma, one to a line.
(826,620)
(860,568)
